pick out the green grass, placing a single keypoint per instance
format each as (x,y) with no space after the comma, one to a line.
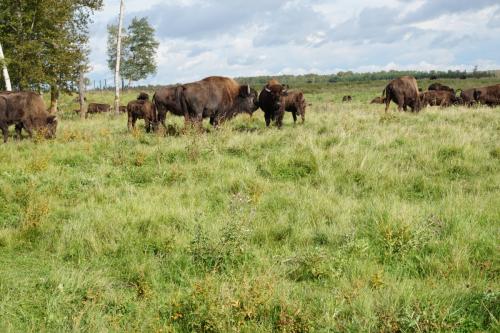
(355,221)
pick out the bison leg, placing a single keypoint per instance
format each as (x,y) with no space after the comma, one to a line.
(387,103)
(303,116)
(294,114)
(279,118)
(147,125)
(130,123)
(19,128)
(268,117)
(5,132)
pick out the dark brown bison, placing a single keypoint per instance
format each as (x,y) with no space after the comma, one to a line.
(272,102)
(467,97)
(97,108)
(296,104)
(168,99)
(25,110)
(378,100)
(488,95)
(404,92)
(142,109)
(440,87)
(216,97)
(347,99)
(441,98)
(121,109)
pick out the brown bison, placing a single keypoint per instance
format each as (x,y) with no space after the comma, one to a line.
(296,104)
(347,99)
(404,92)
(168,99)
(488,95)
(272,102)
(440,87)
(441,98)
(216,97)
(97,108)
(142,109)
(467,97)
(378,100)
(25,110)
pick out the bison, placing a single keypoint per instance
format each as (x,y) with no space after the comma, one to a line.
(219,98)
(488,95)
(347,99)
(272,102)
(296,104)
(442,98)
(378,100)
(97,108)
(142,109)
(440,87)
(168,99)
(404,92)
(467,97)
(25,110)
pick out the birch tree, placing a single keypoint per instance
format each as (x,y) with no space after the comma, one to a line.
(5,72)
(118,54)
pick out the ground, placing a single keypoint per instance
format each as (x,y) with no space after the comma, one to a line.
(355,221)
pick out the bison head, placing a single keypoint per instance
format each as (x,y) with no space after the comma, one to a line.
(277,92)
(50,127)
(248,99)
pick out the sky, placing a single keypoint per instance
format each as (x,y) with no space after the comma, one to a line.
(199,38)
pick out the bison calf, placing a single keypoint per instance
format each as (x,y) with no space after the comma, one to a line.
(142,109)
(296,104)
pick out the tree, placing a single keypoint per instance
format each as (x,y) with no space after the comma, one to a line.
(45,42)
(118,58)
(138,50)
(5,72)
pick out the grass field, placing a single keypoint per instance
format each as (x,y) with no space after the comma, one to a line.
(356,221)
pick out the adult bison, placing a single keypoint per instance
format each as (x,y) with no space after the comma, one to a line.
(467,97)
(296,104)
(219,98)
(272,102)
(440,87)
(97,108)
(441,98)
(404,92)
(25,110)
(168,99)
(347,99)
(488,95)
(142,108)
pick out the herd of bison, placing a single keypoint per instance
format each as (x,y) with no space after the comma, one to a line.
(221,98)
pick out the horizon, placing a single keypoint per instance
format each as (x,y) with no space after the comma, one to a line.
(272,38)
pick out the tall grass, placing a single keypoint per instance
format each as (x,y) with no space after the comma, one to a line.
(355,221)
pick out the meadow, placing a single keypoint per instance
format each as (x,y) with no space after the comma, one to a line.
(355,221)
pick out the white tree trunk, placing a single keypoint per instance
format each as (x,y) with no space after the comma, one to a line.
(81,95)
(5,71)
(118,56)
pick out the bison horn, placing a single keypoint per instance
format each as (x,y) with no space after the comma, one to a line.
(267,89)
(248,89)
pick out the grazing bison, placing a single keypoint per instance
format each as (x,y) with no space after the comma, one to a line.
(378,100)
(442,98)
(142,109)
(488,95)
(347,99)
(25,110)
(272,102)
(218,98)
(296,104)
(440,87)
(97,108)
(404,92)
